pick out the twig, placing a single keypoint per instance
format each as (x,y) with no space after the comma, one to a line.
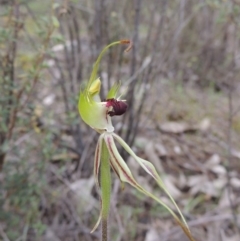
(25,232)
(229,157)
(130,118)
(85,153)
(147,76)
(3,234)
(9,73)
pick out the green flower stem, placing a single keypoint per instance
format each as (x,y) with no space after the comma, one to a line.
(105,180)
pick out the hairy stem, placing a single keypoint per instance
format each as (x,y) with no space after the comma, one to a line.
(104,229)
(105,189)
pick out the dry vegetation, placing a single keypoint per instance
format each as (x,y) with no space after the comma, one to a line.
(184,116)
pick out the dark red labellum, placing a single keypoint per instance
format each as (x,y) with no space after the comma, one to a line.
(119,107)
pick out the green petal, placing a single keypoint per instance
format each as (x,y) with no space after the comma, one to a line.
(97,159)
(124,171)
(112,94)
(98,221)
(150,169)
(95,87)
(126,175)
(102,158)
(115,169)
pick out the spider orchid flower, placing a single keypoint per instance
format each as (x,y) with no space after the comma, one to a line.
(97,114)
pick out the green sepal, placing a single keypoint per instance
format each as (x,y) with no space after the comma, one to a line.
(94,113)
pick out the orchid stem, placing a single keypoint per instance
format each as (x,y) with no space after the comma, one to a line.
(105,189)
(104,230)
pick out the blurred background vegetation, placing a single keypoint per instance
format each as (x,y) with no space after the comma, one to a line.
(183,95)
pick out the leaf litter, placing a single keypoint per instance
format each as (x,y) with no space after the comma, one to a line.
(190,155)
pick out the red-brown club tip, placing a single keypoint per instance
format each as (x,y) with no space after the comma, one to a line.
(127,41)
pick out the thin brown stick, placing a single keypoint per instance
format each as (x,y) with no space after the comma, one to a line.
(129,118)
(146,77)
(229,157)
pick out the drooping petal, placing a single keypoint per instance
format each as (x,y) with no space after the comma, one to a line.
(150,169)
(124,171)
(121,167)
(114,167)
(126,175)
(97,159)
(98,221)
